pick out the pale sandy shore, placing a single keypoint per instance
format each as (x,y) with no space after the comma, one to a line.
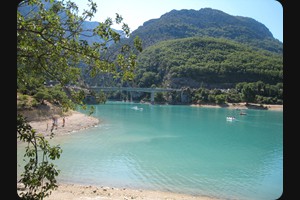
(74,122)
(243,106)
(80,192)
(68,191)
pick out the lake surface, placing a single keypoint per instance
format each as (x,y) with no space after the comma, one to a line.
(193,150)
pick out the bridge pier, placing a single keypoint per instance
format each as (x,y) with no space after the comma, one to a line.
(130,93)
(152,97)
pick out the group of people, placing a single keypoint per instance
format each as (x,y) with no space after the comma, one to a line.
(55,123)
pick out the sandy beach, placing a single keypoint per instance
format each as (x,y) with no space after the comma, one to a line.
(77,121)
(74,122)
(80,192)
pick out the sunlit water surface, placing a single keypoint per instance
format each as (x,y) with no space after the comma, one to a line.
(193,150)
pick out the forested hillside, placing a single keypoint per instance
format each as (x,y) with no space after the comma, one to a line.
(208,62)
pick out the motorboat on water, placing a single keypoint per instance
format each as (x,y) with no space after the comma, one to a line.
(136,108)
(230,118)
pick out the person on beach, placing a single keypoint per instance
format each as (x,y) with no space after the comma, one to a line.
(54,123)
(64,121)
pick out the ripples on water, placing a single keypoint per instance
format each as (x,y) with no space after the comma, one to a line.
(178,148)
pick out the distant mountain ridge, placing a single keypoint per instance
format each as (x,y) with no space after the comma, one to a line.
(207,22)
(190,23)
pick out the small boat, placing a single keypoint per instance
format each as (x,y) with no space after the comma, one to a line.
(229,118)
(243,113)
(136,108)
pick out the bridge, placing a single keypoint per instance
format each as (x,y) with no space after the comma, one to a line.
(152,91)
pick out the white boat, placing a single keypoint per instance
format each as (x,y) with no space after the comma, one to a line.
(136,108)
(229,118)
(243,113)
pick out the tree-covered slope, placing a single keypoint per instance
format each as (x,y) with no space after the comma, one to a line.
(209,62)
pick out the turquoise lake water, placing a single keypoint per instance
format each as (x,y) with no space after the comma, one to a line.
(193,150)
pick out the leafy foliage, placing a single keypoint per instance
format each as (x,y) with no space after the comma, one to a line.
(50,46)
(39,175)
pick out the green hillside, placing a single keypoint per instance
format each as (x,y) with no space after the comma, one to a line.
(210,62)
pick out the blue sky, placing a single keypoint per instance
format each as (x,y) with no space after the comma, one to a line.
(136,12)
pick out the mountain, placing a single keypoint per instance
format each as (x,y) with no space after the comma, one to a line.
(206,22)
(190,48)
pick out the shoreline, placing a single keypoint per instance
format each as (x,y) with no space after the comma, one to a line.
(243,106)
(70,191)
(238,106)
(74,122)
